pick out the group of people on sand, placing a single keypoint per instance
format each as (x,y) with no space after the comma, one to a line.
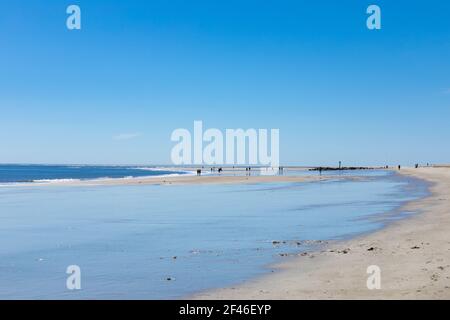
(415,166)
(199,171)
(219,170)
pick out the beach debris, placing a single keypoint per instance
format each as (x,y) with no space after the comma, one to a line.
(304,254)
(415,247)
(299,242)
(174,257)
(345,251)
(283,254)
(170,278)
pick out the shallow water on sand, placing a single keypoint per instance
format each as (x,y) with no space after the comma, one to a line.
(128,240)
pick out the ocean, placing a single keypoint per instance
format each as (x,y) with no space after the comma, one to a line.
(36,173)
(161,241)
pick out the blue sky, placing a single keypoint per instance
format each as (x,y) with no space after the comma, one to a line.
(114,91)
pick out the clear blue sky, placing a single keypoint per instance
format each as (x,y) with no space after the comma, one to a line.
(114,91)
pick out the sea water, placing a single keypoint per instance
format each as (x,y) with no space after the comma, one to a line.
(10,173)
(167,241)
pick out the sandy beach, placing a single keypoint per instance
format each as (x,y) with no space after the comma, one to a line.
(179,237)
(413,255)
(230,177)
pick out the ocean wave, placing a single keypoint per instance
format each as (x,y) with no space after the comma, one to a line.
(53,180)
(158,173)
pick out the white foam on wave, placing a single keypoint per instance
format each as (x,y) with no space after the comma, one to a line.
(174,173)
(53,180)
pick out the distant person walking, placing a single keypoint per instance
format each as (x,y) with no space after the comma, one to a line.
(199,172)
(399,167)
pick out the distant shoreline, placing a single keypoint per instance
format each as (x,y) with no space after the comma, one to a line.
(187,175)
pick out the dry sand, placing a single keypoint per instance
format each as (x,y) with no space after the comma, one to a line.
(413,254)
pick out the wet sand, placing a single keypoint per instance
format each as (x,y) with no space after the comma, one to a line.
(413,255)
(238,178)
